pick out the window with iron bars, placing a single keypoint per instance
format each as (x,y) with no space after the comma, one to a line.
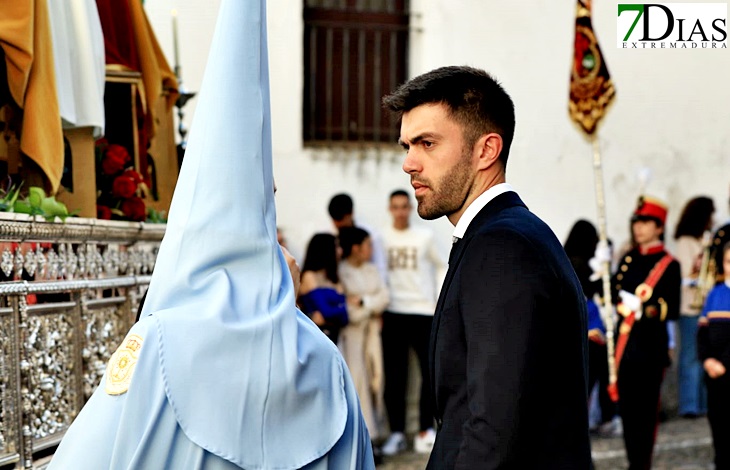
(355,51)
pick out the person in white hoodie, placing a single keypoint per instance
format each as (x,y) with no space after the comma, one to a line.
(415,273)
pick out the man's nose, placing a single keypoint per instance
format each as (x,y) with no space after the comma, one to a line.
(411,163)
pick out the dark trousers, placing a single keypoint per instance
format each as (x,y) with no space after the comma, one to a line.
(639,386)
(598,372)
(400,332)
(718,412)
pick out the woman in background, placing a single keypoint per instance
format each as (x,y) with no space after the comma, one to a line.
(321,295)
(695,220)
(360,339)
(580,248)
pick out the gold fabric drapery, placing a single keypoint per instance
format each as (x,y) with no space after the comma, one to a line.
(25,37)
(156,72)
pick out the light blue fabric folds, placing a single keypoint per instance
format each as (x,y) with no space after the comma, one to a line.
(230,373)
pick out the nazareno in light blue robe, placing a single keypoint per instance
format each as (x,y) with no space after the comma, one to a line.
(222,371)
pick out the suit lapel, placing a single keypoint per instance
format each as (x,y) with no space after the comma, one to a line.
(454,257)
(503,201)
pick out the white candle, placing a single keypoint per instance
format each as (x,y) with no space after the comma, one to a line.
(174,38)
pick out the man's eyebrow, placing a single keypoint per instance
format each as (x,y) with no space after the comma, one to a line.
(417,139)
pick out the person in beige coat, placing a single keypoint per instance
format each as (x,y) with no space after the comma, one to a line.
(695,221)
(360,339)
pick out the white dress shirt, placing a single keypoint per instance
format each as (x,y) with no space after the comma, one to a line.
(476,206)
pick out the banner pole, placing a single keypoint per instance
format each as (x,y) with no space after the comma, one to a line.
(607,307)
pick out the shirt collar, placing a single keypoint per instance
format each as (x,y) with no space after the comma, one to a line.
(476,206)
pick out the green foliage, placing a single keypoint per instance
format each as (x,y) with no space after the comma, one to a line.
(37,203)
(156,217)
(8,198)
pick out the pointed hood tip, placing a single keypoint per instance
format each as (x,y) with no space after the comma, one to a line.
(227,169)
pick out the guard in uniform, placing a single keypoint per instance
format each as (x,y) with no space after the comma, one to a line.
(647,287)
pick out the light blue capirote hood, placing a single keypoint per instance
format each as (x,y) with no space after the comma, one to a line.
(248,378)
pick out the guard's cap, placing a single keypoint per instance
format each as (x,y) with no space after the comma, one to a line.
(650,208)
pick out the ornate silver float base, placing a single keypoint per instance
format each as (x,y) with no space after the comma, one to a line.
(69,294)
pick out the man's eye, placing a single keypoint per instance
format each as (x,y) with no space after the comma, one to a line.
(427,144)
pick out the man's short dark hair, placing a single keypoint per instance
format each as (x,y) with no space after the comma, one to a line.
(400,192)
(349,237)
(340,206)
(473,97)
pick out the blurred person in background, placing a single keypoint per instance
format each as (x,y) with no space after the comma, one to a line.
(341,211)
(647,288)
(713,339)
(415,273)
(360,339)
(580,246)
(321,295)
(695,220)
(721,237)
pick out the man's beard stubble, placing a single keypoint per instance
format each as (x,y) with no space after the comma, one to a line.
(451,193)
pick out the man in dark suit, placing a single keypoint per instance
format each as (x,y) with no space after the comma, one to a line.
(508,343)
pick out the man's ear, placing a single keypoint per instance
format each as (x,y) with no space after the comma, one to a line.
(488,149)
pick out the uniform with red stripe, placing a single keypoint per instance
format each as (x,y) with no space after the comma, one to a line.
(645,354)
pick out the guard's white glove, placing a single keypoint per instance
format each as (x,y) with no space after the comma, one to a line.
(600,261)
(631,301)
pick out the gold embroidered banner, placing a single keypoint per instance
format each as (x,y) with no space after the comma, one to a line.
(591,88)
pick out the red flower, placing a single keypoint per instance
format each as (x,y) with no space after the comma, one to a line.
(134,209)
(133,175)
(115,159)
(102,144)
(123,186)
(103,212)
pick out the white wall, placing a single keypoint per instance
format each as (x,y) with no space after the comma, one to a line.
(671,113)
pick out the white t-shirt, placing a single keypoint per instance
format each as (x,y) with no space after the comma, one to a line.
(415,270)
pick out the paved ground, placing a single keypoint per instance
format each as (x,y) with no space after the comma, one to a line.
(681,445)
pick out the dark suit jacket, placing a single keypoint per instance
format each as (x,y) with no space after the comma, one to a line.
(508,349)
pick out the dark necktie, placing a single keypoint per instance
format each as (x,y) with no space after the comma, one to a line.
(455,241)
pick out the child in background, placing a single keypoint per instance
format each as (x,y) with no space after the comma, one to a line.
(713,343)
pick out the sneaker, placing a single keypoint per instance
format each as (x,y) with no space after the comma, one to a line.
(423,442)
(395,444)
